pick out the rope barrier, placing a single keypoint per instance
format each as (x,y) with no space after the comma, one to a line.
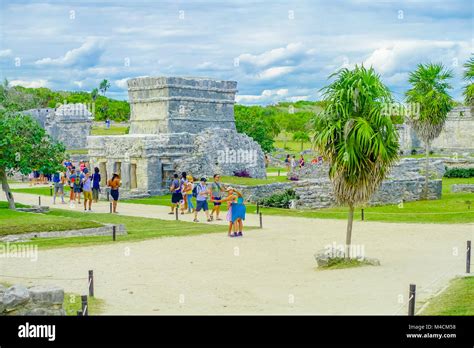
(41,278)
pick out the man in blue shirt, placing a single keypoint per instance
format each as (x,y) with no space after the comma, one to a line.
(203,192)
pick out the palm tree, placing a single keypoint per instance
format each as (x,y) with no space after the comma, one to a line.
(469,77)
(429,91)
(301,136)
(358,141)
(94,94)
(104,86)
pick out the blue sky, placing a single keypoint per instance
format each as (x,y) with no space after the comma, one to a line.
(275,50)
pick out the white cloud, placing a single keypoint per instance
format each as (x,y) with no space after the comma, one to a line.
(122,83)
(272,56)
(29,84)
(87,55)
(272,73)
(269,96)
(5,53)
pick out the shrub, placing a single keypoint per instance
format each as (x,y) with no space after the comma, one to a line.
(279,200)
(242,173)
(413,151)
(459,173)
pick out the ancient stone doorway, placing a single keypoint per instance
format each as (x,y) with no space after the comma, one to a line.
(103,173)
(133,176)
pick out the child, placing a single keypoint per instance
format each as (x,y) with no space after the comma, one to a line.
(235,212)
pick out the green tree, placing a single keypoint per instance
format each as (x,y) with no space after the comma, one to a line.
(359,143)
(24,147)
(469,77)
(257,124)
(301,136)
(429,85)
(104,86)
(94,94)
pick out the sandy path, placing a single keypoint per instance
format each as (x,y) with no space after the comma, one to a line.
(268,271)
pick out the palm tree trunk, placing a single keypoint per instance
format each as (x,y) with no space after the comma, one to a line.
(427,170)
(6,189)
(350,220)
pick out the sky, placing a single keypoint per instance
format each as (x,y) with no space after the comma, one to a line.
(275,50)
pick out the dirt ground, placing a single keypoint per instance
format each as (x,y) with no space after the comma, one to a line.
(268,271)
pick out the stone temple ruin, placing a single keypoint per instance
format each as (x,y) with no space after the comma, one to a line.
(69,123)
(176,124)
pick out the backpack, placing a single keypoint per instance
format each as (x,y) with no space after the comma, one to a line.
(56,178)
(195,193)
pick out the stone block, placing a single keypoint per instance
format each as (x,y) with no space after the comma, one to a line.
(47,294)
(15,295)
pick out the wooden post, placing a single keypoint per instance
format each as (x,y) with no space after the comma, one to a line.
(468,257)
(110,207)
(362,214)
(411,300)
(108,195)
(39,201)
(79,313)
(85,307)
(114,233)
(258,208)
(91,283)
(50,190)
(176,210)
(261,223)
(278,172)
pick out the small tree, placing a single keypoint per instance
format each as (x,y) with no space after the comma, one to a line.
(301,136)
(24,147)
(469,77)
(358,141)
(429,85)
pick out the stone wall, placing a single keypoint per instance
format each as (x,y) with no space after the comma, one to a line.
(314,189)
(179,104)
(36,300)
(463,188)
(69,123)
(456,136)
(215,152)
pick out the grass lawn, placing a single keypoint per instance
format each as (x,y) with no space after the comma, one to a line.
(340,263)
(291,145)
(137,228)
(15,222)
(254,181)
(113,130)
(41,190)
(457,299)
(77,152)
(451,208)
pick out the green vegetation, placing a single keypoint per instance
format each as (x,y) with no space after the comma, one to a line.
(429,90)
(72,304)
(451,208)
(235,180)
(279,200)
(459,173)
(457,299)
(468,91)
(340,262)
(357,140)
(15,222)
(40,190)
(137,228)
(113,130)
(20,98)
(24,147)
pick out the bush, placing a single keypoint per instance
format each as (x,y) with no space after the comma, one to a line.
(242,173)
(413,151)
(459,173)
(279,200)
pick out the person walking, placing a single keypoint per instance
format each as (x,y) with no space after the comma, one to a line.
(202,192)
(114,184)
(184,182)
(293,162)
(235,211)
(96,185)
(87,189)
(301,161)
(70,182)
(189,193)
(176,194)
(58,182)
(216,189)
(76,178)
(287,162)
